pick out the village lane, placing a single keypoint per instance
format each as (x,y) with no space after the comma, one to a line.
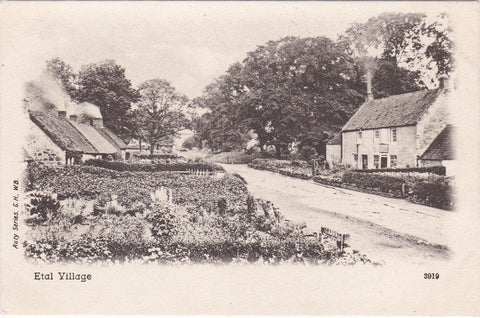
(385,229)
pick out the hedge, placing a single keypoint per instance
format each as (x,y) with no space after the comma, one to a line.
(155,156)
(435,170)
(153,167)
(435,192)
(383,183)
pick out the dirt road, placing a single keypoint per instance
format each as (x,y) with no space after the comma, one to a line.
(385,229)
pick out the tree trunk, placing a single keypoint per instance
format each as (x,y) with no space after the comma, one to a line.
(278,151)
(140,143)
(152,147)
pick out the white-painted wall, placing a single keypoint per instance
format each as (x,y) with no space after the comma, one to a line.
(41,147)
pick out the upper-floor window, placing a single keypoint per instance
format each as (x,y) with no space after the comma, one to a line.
(359,135)
(377,133)
(394,135)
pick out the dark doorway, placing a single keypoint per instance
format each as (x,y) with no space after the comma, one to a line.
(364,162)
(383,162)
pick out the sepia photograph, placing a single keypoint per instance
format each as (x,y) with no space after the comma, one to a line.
(262,143)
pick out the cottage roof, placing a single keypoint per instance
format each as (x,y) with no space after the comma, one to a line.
(62,132)
(393,111)
(441,147)
(100,143)
(336,140)
(112,138)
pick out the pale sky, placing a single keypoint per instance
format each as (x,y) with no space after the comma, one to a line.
(187,43)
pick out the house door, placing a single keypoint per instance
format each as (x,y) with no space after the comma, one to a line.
(364,162)
(383,162)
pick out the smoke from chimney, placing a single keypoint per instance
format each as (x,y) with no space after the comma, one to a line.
(85,110)
(46,94)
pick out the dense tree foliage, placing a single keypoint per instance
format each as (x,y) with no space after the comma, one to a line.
(406,40)
(288,91)
(106,85)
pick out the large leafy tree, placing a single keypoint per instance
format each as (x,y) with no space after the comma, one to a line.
(224,125)
(160,112)
(106,85)
(405,40)
(298,90)
(288,91)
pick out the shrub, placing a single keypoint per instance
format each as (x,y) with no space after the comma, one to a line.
(42,205)
(434,194)
(308,152)
(156,156)
(162,220)
(383,183)
(189,143)
(297,168)
(424,188)
(435,170)
(239,177)
(153,167)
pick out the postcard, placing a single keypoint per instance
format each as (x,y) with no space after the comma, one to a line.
(240,158)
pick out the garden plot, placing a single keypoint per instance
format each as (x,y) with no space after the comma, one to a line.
(89,214)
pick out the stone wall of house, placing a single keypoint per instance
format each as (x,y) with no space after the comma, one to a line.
(41,148)
(382,144)
(333,155)
(432,123)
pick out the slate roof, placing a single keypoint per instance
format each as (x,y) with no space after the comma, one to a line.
(62,132)
(99,142)
(336,140)
(393,111)
(442,147)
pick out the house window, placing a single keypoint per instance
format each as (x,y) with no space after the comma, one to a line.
(376,161)
(377,134)
(359,135)
(355,159)
(393,161)
(394,135)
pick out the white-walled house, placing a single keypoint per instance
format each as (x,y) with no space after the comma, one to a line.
(334,151)
(394,132)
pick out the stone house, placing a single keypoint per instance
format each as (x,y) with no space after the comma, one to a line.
(334,150)
(394,132)
(52,137)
